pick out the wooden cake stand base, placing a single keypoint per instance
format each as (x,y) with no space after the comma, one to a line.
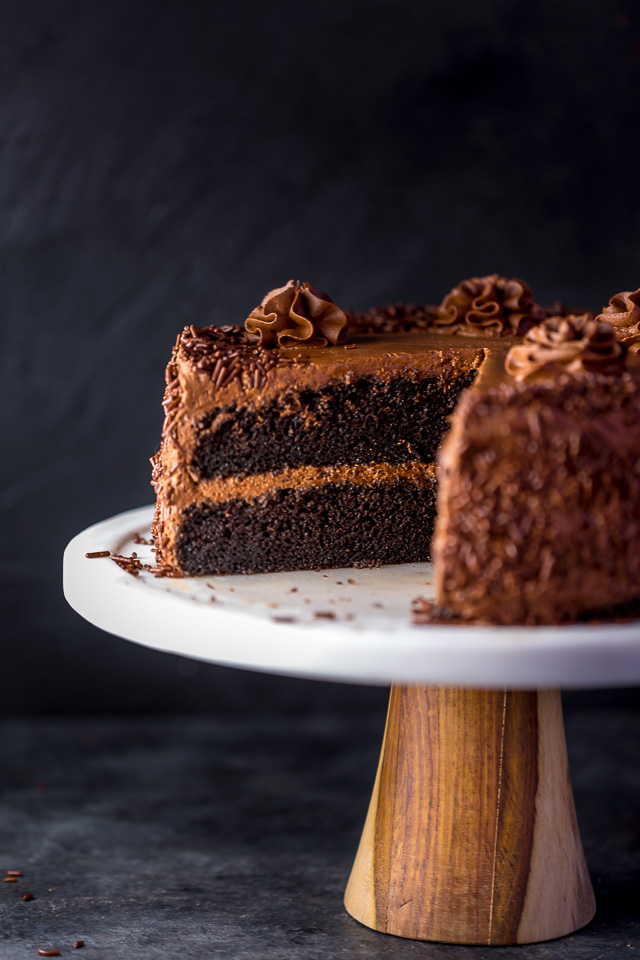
(471,835)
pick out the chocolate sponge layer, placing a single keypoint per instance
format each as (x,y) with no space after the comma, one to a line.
(336,525)
(363,421)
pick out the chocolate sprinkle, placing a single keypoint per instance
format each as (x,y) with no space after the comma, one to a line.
(27,896)
(164,570)
(77,944)
(98,553)
(398,318)
(226,356)
(47,953)
(129,564)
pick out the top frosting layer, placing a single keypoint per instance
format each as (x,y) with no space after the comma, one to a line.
(575,345)
(488,306)
(296,313)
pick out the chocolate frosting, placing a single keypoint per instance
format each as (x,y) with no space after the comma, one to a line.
(296,313)
(575,345)
(623,313)
(488,306)
(623,310)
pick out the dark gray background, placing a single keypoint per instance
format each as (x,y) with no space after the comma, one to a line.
(168,163)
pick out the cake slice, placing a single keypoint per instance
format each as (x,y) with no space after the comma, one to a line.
(309,438)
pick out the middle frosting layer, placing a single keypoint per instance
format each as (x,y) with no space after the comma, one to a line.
(248,488)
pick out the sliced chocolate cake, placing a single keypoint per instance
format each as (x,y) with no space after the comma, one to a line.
(306,440)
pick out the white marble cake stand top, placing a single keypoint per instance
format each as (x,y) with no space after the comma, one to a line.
(347,625)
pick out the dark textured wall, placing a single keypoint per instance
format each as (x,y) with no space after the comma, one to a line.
(164,163)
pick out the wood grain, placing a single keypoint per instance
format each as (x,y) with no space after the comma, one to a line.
(471,835)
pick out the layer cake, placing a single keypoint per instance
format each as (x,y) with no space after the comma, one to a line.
(309,439)
(305,454)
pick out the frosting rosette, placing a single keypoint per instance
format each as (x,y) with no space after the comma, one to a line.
(576,345)
(623,313)
(488,306)
(293,314)
(623,310)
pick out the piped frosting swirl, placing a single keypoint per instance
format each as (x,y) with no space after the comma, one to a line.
(296,313)
(623,310)
(576,345)
(488,306)
(623,313)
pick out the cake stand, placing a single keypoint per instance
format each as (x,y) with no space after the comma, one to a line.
(471,835)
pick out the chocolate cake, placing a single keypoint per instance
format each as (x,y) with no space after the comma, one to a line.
(539,497)
(309,439)
(306,440)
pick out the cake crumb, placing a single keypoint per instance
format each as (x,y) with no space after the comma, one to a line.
(428,611)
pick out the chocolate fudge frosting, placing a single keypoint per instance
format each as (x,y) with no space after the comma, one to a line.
(488,306)
(296,313)
(576,345)
(623,313)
